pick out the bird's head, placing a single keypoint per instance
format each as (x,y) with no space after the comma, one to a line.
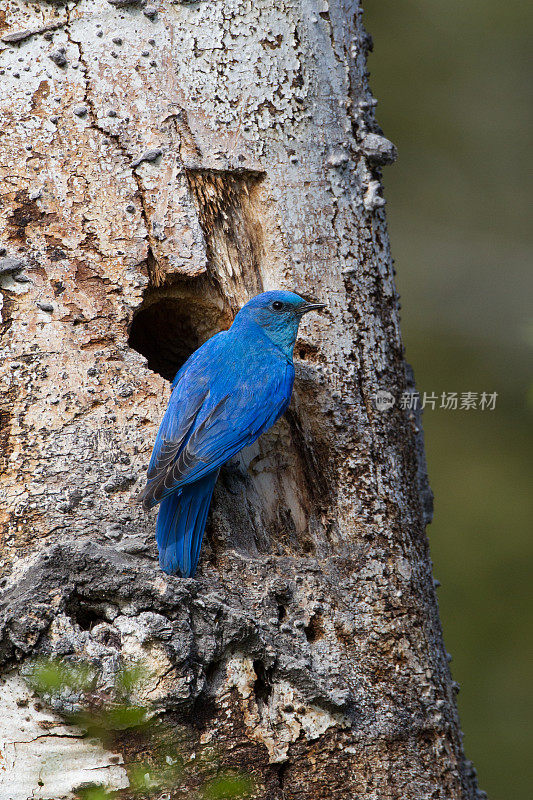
(278,313)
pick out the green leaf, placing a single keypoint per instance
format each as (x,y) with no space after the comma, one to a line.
(114,717)
(130,677)
(142,779)
(225,787)
(53,676)
(95,792)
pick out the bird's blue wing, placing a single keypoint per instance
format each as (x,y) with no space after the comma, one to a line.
(239,406)
(190,390)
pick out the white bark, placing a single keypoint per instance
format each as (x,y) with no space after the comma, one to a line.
(42,753)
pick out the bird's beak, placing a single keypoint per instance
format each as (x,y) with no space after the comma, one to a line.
(311,307)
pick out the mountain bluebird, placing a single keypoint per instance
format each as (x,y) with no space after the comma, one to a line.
(230,390)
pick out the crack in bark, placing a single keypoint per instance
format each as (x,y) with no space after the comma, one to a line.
(50,735)
(154,272)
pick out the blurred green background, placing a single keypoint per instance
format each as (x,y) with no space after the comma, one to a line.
(454,85)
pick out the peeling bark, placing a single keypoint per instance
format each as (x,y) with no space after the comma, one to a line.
(43,757)
(157,171)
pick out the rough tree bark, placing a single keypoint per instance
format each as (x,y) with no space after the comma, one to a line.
(160,165)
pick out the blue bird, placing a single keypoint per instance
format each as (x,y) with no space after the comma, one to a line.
(230,390)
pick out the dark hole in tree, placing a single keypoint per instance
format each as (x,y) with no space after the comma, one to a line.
(308,546)
(164,336)
(281,769)
(85,616)
(171,324)
(202,713)
(263,682)
(315,629)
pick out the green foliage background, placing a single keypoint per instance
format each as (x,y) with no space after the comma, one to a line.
(454,85)
(164,763)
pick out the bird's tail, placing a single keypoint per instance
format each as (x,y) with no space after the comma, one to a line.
(180,526)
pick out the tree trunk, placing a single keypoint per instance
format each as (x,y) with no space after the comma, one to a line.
(160,167)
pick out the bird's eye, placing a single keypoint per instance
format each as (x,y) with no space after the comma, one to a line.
(277,305)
